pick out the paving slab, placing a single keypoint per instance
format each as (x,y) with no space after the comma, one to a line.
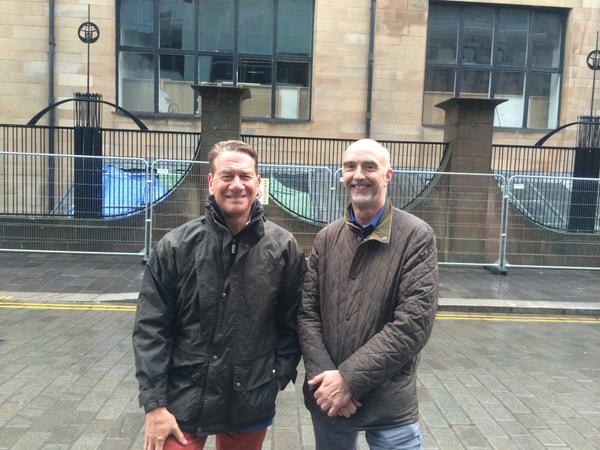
(77,278)
(67,381)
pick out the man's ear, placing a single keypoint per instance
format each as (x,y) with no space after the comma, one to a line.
(389,173)
(211,191)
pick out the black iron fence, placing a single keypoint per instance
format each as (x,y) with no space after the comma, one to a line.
(149,145)
(179,145)
(328,151)
(523,159)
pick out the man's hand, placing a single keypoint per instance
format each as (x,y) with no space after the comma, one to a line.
(350,408)
(160,423)
(333,393)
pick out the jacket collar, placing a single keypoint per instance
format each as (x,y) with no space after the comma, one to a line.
(382,232)
(255,222)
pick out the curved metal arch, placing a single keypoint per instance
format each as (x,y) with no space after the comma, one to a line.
(38,116)
(556,130)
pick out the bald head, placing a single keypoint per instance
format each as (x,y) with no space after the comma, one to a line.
(374,147)
(366,172)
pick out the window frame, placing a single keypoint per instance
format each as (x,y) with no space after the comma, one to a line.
(272,59)
(494,67)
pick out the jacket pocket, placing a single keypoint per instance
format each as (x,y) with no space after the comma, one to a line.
(254,392)
(187,377)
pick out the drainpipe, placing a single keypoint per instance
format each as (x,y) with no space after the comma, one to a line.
(51,119)
(370,68)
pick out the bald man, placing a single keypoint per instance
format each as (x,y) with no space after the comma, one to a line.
(368,305)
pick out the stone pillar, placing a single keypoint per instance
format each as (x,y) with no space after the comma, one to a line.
(468,130)
(220,121)
(473,214)
(220,113)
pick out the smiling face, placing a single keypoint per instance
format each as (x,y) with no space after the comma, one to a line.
(366,174)
(234,184)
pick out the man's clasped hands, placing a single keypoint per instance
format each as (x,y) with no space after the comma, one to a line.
(333,394)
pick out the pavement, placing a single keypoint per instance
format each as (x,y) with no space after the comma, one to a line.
(67,383)
(105,278)
(485,381)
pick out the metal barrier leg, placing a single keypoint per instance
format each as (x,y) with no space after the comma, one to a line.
(148,214)
(499,268)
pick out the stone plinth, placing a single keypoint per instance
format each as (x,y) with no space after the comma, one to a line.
(468,130)
(220,112)
(475,201)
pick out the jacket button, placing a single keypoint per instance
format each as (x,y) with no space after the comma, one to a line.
(353,277)
(348,318)
(224,294)
(215,357)
(238,384)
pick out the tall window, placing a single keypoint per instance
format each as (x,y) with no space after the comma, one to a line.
(166,45)
(502,52)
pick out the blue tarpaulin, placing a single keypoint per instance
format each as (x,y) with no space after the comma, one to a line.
(124,192)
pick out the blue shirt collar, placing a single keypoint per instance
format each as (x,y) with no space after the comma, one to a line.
(365,231)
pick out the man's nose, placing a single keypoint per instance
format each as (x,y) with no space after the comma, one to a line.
(358,173)
(236,183)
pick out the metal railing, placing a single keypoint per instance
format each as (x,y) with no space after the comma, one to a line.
(328,152)
(179,145)
(96,206)
(509,160)
(115,142)
(529,243)
(125,210)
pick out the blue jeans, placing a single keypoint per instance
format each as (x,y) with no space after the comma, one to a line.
(329,435)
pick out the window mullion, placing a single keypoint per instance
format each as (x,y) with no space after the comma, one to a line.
(156,52)
(459,53)
(236,19)
(527,69)
(274,59)
(492,86)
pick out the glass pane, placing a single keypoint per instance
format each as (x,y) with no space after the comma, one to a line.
(215,69)
(216,25)
(439,86)
(176,24)
(478,24)
(442,34)
(136,81)
(294,26)
(511,37)
(256,75)
(547,31)
(509,85)
(174,92)
(137,21)
(292,94)
(543,90)
(475,84)
(256,27)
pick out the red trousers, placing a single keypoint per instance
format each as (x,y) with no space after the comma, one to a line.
(249,440)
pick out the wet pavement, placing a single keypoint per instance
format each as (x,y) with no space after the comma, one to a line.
(96,278)
(494,382)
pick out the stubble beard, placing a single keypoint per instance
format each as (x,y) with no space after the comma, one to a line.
(362,200)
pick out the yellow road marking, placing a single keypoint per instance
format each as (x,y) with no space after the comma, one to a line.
(517,318)
(68,306)
(441,316)
(5,297)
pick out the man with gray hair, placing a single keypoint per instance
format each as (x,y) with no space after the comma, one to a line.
(368,305)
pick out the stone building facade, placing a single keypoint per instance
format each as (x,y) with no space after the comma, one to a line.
(333,100)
